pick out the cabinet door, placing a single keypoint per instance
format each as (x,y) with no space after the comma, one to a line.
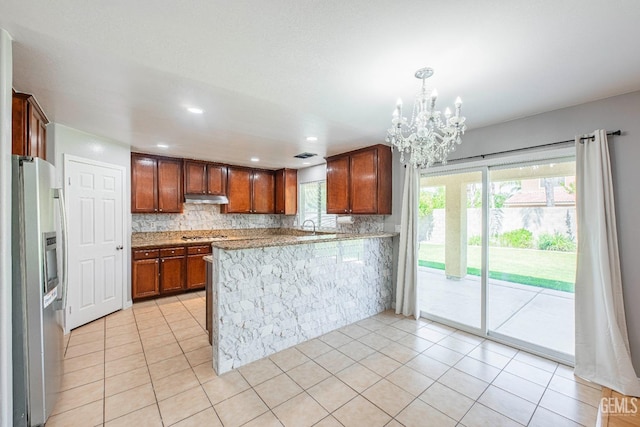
(196,272)
(338,185)
(286,194)
(195,177)
(20,128)
(364,182)
(263,192)
(37,133)
(144,281)
(217,180)
(169,185)
(144,184)
(238,191)
(172,274)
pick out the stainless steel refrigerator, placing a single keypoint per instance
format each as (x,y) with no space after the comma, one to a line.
(39,289)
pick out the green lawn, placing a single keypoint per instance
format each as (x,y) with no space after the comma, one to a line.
(547,269)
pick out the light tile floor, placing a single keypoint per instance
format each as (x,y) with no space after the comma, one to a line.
(151,366)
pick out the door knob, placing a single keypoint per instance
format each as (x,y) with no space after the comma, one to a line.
(119,248)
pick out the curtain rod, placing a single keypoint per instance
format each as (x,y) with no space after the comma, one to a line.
(515,150)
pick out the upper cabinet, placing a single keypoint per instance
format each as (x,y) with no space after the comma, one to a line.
(204,178)
(286,194)
(249,191)
(359,182)
(29,126)
(156,184)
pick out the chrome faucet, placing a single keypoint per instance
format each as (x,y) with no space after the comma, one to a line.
(312,223)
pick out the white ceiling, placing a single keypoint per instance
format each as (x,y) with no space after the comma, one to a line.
(270,73)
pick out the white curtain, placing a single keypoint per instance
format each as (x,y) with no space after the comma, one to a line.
(602,343)
(406,289)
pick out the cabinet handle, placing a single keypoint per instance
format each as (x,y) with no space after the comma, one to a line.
(163,261)
(156,261)
(173,252)
(160,210)
(146,254)
(155,210)
(198,250)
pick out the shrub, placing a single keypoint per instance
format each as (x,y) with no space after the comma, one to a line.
(556,242)
(475,241)
(519,238)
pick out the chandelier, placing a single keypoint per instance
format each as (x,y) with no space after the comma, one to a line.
(427,139)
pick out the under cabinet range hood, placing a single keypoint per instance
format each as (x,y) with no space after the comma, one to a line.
(206,198)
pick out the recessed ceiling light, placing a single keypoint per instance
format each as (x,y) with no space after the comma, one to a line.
(255,159)
(306,163)
(163,146)
(312,138)
(195,110)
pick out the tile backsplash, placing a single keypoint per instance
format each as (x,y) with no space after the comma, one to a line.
(208,217)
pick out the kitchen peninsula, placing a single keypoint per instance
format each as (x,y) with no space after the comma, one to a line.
(270,293)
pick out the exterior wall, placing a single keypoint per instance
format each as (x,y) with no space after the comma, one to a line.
(268,299)
(553,219)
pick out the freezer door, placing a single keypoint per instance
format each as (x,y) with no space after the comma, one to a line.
(42,335)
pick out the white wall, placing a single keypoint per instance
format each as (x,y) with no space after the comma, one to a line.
(620,112)
(312,173)
(65,140)
(6,369)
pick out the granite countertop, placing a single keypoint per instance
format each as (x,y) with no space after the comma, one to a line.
(286,240)
(232,239)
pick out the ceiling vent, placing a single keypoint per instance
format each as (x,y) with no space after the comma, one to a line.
(305,155)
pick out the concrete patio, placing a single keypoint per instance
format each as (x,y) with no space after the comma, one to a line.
(540,316)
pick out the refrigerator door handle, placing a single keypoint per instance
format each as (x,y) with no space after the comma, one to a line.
(59,194)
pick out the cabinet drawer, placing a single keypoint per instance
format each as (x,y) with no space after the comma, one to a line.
(196,250)
(145,254)
(171,252)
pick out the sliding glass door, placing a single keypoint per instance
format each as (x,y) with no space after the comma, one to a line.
(532,255)
(450,233)
(497,252)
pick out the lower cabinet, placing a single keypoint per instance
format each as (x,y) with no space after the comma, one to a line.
(165,271)
(172,269)
(196,267)
(145,275)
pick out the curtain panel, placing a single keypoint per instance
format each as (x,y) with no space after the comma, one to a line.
(406,289)
(602,352)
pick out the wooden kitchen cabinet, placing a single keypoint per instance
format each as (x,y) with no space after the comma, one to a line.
(249,191)
(216,179)
(204,178)
(238,191)
(172,273)
(29,127)
(167,271)
(359,182)
(145,274)
(195,177)
(156,184)
(286,194)
(338,185)
(262,192)
(196,266)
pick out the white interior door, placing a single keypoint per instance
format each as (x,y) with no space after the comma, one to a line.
(95,197)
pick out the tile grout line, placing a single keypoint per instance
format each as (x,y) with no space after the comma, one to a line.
(553,373)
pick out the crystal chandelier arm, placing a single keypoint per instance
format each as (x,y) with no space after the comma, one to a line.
(429,138)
